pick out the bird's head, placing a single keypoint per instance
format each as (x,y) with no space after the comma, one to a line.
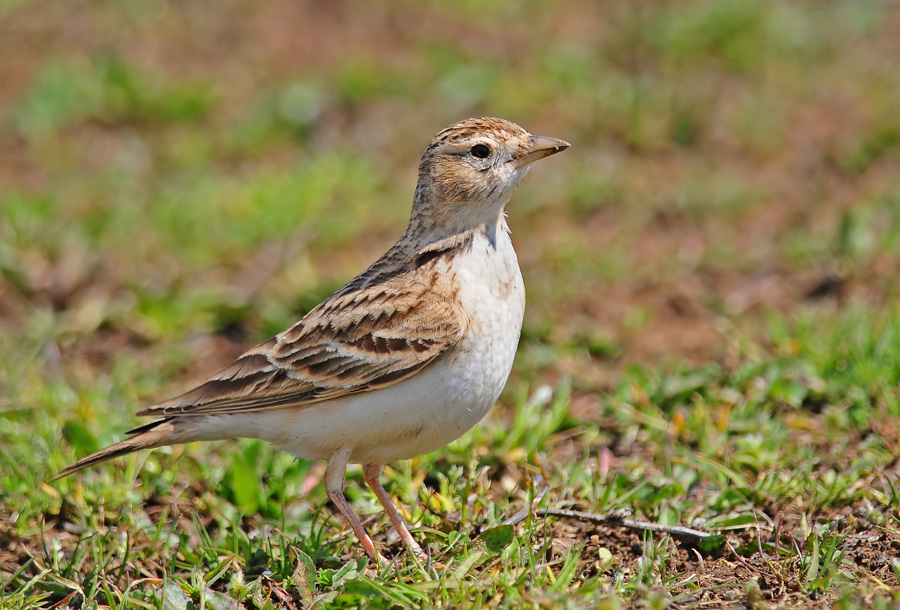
(471,168)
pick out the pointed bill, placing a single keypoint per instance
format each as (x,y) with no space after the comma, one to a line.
(539,148)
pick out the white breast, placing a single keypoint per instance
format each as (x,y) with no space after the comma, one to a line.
(438,404)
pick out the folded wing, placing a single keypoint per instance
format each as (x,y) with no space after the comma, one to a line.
(356,341)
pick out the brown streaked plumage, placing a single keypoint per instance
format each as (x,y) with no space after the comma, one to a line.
(405,357)
(374,332)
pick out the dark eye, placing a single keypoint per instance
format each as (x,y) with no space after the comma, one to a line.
(480,151)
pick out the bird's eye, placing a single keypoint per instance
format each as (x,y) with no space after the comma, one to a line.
(480,151)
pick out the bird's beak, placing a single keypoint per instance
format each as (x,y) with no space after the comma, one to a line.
(537,148)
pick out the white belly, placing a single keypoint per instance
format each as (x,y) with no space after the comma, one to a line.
(435,406)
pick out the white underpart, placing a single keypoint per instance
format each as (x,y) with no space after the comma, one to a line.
(430,409)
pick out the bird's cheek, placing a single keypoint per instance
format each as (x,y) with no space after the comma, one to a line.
(453,185)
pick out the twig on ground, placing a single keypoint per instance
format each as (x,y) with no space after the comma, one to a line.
(674,530)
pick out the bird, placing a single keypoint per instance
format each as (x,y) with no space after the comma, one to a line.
(401,361)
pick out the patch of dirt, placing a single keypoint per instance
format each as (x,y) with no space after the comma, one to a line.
(756,564)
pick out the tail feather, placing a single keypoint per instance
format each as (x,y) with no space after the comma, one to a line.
(148,436)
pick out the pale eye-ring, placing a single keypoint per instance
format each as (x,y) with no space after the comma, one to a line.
(480,151)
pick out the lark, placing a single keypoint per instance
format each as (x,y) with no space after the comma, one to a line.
(401,361)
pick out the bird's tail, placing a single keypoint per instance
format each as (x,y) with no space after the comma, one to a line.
(148,436)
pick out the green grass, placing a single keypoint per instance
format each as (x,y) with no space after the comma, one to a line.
(712,337)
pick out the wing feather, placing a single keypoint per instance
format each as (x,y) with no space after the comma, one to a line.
(367,336)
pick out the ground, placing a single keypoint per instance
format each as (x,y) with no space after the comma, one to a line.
(712,338)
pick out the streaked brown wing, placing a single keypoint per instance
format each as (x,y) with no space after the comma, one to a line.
(356,341)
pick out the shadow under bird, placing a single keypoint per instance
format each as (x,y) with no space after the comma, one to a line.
(402,360)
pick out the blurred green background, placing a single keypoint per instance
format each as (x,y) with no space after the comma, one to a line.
(173,172)
(181,180)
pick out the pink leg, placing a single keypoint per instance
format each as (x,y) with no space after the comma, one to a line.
(334,487)
(372,475)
